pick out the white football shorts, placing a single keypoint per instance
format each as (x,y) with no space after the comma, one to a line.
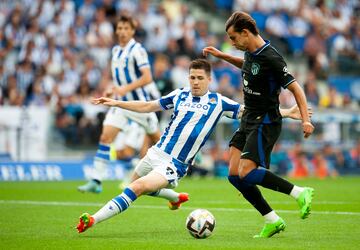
(118,118)
(162,163)
(133,136)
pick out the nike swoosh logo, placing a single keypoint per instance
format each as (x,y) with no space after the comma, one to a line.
(244,153)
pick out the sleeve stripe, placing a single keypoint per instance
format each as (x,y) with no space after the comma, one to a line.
(236,114)
(293,80)
(163,108)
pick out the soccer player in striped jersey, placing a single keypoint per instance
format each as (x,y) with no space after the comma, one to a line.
(196,111)
(132,80)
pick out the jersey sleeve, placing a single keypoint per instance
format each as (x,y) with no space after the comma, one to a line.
(167,102)
(231,108)
(280,71)
(141,57)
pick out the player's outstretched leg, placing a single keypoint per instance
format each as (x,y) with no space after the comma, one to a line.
(304,200)
(86,221)
(270,229)
(92,186)
(183,197)
(115,206)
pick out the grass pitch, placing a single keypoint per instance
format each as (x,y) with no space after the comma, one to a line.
(43,215)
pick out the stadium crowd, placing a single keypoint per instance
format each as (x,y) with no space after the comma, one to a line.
(57,54)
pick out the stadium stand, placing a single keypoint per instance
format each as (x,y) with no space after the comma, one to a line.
(55,54)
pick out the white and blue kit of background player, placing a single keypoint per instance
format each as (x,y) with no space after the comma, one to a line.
(192,121)
(126,63)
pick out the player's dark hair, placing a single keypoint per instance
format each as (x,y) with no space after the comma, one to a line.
(201,64)
(127,19)
(241,20)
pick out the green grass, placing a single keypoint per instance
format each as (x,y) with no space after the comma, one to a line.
(26,223)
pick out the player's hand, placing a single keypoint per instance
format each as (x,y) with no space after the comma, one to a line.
(105,101)
(294,112)
(212,51)
(308,129)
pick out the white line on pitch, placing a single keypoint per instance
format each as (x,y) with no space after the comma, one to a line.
(96,204)
(275,202)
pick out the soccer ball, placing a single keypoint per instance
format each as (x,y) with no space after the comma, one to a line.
(200,223)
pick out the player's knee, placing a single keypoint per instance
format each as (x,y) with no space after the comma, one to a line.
(233,179)
(245,167)
(126,153)
(105,139)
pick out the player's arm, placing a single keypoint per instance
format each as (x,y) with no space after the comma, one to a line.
(300,98)
(137,106)
(144,79)
(294,112)
(236,61)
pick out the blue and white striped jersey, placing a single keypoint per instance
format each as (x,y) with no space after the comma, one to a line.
(193,120)
(125,67)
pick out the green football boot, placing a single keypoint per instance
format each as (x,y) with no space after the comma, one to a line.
(304,201)
(92,187)
(270,229)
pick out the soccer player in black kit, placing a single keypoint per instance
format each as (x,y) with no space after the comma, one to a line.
(264,73)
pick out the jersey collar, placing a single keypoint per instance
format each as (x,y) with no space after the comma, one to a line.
(129,44)
(258,51)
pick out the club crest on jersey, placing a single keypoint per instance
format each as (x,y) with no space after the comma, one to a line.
(255,68)
(245,82)
(212,100)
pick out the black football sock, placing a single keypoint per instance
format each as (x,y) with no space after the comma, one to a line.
(265,178)
(251,193)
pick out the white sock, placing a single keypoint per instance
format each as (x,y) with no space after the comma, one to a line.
(115,206)
(271,217)
(106,212)
(296,191)
(166,193)
(100,166)
(101,160)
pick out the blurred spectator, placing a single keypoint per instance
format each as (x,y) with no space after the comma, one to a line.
(355,155)
(280,162)
(332,99)
(344,54)
(276,27)
(310,89)
(315,49)
(322,167)
(161,74)
(87,11)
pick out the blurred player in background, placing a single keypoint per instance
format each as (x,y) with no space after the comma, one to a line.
(131,73)
(132,143)
(196,113)
(264,73)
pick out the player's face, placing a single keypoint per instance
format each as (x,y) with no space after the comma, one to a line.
(124,32)
(239,40)
(199,82)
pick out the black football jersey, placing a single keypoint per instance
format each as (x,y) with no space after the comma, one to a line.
(264,73)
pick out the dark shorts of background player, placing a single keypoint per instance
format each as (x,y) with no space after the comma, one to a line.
(256,141)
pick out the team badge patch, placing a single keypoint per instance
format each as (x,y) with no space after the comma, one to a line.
(212,100)
(255,68)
